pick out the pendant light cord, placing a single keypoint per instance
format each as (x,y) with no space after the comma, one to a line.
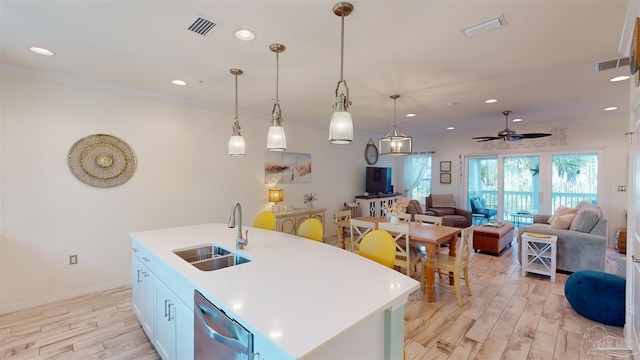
(236,97)
(342,46)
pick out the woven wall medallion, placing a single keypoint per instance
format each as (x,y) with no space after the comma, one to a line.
(102,160)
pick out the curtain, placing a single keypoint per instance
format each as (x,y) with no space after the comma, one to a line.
(415,166)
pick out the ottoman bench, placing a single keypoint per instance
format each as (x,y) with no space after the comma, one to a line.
(597,295)
(492,239)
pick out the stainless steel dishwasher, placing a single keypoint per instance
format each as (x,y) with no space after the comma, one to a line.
(217,336)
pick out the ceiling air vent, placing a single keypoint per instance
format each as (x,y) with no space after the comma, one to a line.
(202,26)
(610,64)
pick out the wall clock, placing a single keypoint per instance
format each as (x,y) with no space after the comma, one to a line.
(371,153)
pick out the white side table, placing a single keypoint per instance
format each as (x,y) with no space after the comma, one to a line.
(539,254)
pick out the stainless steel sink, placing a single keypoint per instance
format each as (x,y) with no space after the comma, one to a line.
(210,257)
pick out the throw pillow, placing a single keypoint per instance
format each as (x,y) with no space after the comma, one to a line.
(586,219)
(562,222)
(477,204)
(561,211)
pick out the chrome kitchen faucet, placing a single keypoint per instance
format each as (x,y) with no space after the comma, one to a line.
(240,241)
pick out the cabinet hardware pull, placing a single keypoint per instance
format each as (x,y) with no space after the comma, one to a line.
(135,250)
(169,307)
(165,307)
(635,259)
(146,259)
(139,281)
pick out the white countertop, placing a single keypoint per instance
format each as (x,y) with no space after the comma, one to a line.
(297,292)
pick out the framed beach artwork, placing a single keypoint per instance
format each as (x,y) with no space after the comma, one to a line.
(287,168)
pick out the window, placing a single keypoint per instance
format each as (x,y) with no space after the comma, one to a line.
(417,176)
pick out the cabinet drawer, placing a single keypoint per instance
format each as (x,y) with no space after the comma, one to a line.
(143,254)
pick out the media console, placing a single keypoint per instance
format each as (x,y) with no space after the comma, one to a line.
(373,205)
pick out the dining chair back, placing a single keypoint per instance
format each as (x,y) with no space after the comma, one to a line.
(406,255)
(342,215)
(311,229)
(428,219)
(379,246)
(359,229)
(265,220)
(404,217)
(456,267)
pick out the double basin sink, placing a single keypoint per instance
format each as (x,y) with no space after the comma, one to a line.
(210,257)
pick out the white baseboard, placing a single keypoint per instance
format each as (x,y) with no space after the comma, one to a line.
(63,296)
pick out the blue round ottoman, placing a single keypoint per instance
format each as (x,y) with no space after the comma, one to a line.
(597,295)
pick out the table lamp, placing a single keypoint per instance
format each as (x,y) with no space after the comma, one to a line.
(275,196)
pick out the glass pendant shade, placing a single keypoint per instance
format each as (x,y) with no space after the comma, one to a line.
(236,145)
(394,143)
(341,128)
(276,139)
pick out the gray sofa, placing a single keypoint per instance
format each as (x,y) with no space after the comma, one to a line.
(580,247)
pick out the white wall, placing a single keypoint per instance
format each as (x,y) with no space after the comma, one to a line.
(607,132)
(183,177)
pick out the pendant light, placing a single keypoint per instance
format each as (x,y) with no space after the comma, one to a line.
(236,146)
(394,143)
(341,127)
(276,139)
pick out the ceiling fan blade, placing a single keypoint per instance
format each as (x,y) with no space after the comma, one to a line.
(486,138)
(534,135)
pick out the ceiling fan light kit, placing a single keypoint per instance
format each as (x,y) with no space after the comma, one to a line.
(508,134)
(394,143)
(341,126)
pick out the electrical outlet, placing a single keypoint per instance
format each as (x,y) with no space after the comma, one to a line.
(73,259)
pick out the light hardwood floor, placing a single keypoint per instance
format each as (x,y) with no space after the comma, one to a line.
(508,317)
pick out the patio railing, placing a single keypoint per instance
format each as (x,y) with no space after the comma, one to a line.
(522,201)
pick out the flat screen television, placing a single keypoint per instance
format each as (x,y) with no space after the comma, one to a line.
(378,180)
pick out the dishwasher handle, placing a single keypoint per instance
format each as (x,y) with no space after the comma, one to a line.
(230,342)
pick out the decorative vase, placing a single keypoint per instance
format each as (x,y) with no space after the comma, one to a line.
(310,204)
(394,219)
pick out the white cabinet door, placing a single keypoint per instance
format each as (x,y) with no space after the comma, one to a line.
(143,288)
(165,322)
(174,325)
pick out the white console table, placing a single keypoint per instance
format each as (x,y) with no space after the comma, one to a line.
(373,205)
(288,221)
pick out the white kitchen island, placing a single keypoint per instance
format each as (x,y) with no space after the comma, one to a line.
(301,299)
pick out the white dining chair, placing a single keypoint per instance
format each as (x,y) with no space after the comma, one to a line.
(406,256)
(359,229)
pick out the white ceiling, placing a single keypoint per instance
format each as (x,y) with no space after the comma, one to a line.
(540,65)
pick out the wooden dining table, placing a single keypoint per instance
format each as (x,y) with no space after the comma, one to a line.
(427,235)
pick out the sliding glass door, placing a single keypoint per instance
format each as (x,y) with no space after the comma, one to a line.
(520,186)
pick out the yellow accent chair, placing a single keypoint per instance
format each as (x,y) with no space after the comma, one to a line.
(379,246)
(456,267)
(265,220)
(311,229)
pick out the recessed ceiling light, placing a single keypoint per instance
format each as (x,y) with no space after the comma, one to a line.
(179,82)
(452,104)
(620,78)
(411,115)
(611,108)
(450,128)
(491,101)
(516,120)
(245,35)
(41,51)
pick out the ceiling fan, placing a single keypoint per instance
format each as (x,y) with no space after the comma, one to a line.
(508,134)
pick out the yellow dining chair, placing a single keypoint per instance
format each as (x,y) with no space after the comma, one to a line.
(265,220)
(454,266)
(379,246)
(311,229)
